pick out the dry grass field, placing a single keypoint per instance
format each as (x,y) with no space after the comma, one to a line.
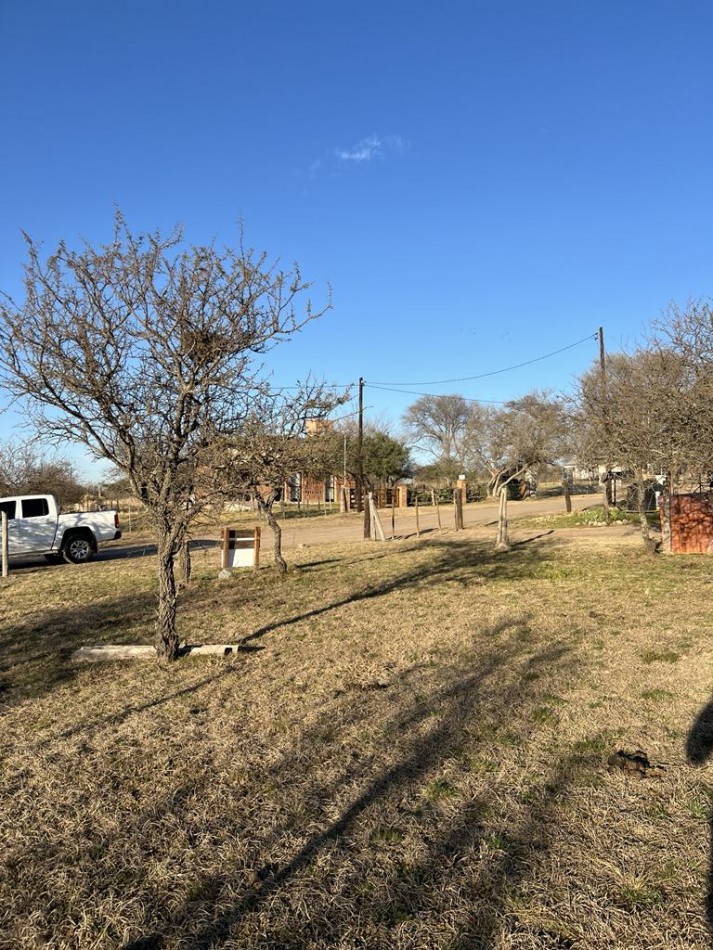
(409,752)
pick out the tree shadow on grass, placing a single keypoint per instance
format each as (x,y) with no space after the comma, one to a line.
(117,718)
(699,749)
(355,879)
(536,537)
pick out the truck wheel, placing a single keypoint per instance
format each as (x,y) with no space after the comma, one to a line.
(78,550)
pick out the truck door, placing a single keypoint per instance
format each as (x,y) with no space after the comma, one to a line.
(34,526)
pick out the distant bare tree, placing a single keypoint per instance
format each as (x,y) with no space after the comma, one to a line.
(438,425)
(687,402)
(140,350)
(654,417)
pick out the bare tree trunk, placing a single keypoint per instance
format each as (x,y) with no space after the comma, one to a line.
(167,643)
(184,565)
(649,543)
(503,541)
(280,562)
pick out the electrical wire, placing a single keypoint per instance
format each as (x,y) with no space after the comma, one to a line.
(495,372)
(412,392)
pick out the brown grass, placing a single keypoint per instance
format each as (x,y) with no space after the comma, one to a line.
(410,752)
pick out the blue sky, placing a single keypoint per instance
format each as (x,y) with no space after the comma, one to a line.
(480,183)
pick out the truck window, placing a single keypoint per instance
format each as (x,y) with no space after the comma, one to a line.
(9,508)
(34,507)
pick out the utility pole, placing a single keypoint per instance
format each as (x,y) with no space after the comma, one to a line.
(605,419)
(602,362)
(5,546)
(360,444)
(344,500)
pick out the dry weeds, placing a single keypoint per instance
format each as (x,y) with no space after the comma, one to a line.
(409,753)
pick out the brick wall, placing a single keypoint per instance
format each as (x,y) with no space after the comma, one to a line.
(691,524)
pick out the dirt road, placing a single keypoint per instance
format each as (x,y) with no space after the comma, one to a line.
(340,528)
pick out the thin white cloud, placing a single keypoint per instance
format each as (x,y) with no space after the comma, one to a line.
(365,150)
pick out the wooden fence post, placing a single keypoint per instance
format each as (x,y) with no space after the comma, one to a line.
(5,546)
(458,509)
(566,493)
(418,529)
(438,509)
(377,530)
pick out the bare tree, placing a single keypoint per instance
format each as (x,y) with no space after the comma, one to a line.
(655,417)
(687,402)
(438,425)
(139,350)
(283,435)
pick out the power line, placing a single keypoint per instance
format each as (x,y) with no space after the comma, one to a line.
(348,415)
(412,392)
(495,372)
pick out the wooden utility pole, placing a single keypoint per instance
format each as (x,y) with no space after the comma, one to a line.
(360,446)
(5,546)
(602,361)
(343,506)
(605,419)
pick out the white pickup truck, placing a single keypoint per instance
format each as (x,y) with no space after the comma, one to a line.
(35,526)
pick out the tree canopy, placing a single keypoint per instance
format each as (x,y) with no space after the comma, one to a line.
(385,459)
